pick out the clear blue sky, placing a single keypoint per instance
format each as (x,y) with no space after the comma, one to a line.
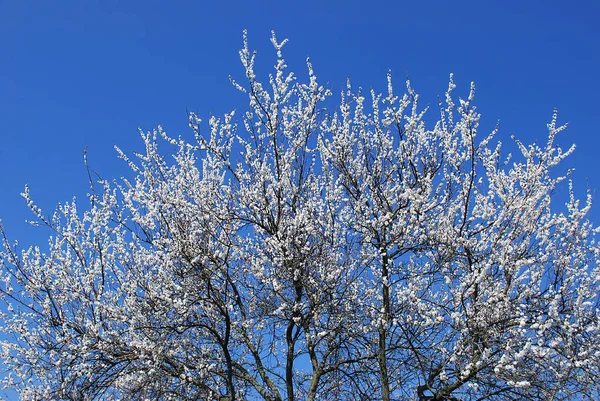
(88,73)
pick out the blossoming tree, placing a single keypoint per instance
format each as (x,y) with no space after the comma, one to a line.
(297,254)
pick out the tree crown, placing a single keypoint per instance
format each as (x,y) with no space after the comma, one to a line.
(301,254)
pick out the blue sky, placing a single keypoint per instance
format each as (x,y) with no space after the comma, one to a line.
(77,74)
(89,73)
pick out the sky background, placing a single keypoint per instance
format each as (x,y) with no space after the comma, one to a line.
(77,74)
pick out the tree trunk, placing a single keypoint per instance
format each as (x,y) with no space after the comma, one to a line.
(381,352)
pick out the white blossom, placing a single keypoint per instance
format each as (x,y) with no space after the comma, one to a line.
(313,252)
